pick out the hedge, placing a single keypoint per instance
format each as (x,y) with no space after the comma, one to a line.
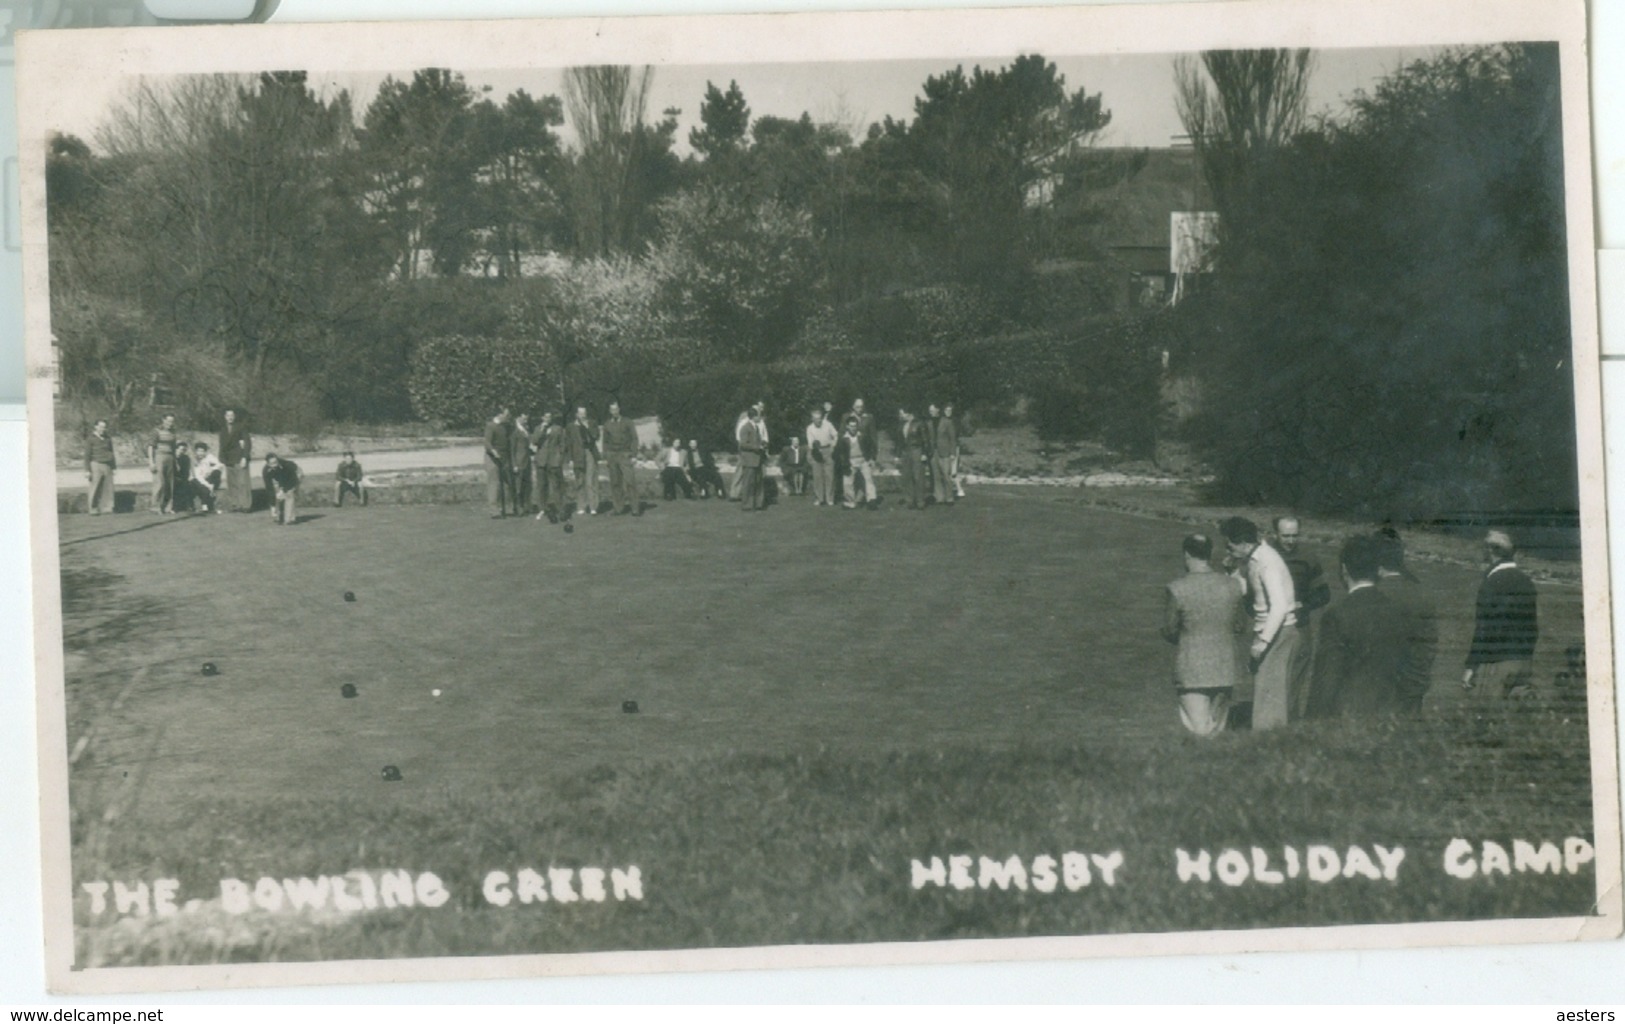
(463,381)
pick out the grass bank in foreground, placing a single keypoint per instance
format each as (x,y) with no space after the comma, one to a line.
(823,847)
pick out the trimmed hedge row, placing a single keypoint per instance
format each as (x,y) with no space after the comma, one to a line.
(461,380)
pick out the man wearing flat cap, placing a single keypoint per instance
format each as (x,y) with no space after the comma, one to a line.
(1500,663)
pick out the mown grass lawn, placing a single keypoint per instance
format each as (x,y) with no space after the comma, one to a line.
(824,697)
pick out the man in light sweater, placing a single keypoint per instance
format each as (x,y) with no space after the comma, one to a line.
(821,438)
(1275,626)
(208,473)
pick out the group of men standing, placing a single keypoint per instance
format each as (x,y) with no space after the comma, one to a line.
(1251,653)
(838,466)
(525,463)
(184,475)
(841,465)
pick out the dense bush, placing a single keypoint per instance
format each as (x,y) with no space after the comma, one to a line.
(283,402)
(1390,319)
(742,273)
(1100,381)
(943,315)
(1068,293)
(608,332)
(463,381)
(366,369)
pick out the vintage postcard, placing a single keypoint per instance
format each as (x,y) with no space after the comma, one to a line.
(649,494)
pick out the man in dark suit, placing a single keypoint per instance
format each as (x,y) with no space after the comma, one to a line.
(1500,663)
(235,448)
(619,437)
(1421,618)
(1206,617)
(581,440)
(914,443)
(752,455)
(1362,649)
(519,465)
(498,438)
(953,455)
(552,449)
(702,469)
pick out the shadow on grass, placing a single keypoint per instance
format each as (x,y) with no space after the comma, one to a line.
(150,524)
(96,609)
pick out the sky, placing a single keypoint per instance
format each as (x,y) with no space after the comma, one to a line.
(1138,89)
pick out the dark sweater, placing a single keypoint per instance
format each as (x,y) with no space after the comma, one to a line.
(1507,626)
(284,476)
(99,450)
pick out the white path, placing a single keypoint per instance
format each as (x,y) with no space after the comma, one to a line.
(455,457)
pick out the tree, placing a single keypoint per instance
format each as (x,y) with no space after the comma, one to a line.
(416,147)
(621,162)
(233,182)
(724,119)
(795,161)
(1390,332)
(1238,107)
(805,165)
(70,174)
(520,162)
(983,152)
(741,274)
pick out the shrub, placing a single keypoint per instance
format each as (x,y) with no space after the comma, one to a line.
(740,272)
(941,315)
(282,401)
(607,334)
(1391,321)
(1101,381)
(365,369)
(462,381)
(198,381)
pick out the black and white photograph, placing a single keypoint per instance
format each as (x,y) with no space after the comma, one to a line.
(575,497)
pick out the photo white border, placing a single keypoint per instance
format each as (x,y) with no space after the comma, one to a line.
(49,62)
